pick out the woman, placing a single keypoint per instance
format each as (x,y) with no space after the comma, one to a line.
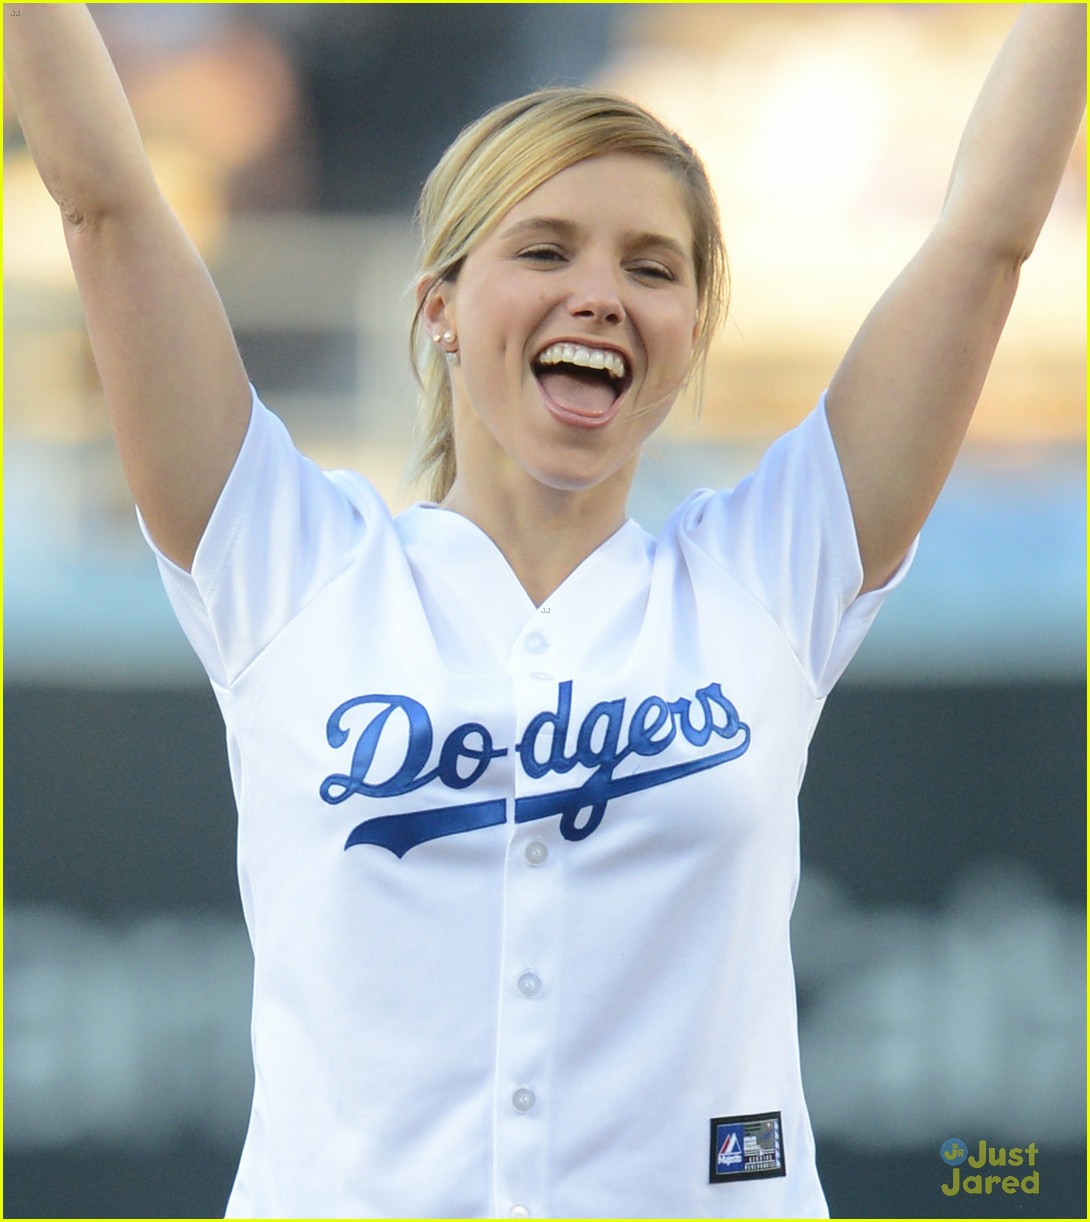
(517,782)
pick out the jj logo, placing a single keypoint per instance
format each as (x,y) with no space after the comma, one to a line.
(954,1152)
(603,740)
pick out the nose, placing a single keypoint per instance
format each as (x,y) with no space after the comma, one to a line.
(595,295)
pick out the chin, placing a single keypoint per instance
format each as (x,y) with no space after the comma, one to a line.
(573,472)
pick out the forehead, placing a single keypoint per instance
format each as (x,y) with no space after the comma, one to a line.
(630,193)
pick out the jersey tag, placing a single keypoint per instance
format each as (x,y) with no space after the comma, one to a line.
(746,1148)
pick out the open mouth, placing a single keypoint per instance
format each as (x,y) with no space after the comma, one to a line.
(582,385)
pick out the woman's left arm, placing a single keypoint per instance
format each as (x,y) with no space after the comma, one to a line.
(901,401)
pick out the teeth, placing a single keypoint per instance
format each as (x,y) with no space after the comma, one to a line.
(589,358)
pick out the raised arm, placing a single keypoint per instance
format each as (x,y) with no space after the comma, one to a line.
(902,399)
(173,380)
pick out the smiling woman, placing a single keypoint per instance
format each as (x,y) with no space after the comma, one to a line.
(500,162)
(597,260)
(517,781)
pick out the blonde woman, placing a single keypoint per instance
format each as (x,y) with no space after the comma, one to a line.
(517,781)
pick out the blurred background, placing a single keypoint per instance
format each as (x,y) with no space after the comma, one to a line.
(940,934)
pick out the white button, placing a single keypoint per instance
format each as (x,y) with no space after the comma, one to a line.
(523,1099)
(519,1211)
(536,852)
(536,643)
(529,984)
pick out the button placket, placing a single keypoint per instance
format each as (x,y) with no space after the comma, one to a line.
(523,1100)
(536,853)
(529,984)
(526,1032)
(527,1024)
(536,643)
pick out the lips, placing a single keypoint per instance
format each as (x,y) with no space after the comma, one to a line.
(581,384)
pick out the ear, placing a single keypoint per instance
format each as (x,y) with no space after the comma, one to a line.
(436,304)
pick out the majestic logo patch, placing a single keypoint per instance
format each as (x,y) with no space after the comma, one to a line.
(468,750)
(746,1148)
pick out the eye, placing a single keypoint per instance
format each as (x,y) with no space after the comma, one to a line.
(546,255)
(651,270)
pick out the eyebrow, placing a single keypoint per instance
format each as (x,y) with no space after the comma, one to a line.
(569,229)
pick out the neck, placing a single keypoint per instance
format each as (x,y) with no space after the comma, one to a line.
(544,533)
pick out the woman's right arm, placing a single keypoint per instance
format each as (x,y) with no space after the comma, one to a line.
(173,380)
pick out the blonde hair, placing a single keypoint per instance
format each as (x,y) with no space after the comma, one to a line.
(497,161)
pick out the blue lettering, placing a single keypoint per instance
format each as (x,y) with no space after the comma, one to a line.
(600,789)
(706,697)
(641,736)
(557,761)
(609,713)
(456,747)
(337,787)
(468,750)
(400,833)
(592,796)
(409,775)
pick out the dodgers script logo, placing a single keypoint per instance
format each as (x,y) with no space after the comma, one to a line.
(468,750)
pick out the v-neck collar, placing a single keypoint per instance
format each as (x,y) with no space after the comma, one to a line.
(481,546)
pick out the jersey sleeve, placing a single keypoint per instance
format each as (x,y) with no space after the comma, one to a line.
(786,534)
(281,530)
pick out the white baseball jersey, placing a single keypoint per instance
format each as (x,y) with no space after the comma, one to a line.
(518,879)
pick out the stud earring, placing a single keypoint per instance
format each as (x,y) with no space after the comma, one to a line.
(448,337)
